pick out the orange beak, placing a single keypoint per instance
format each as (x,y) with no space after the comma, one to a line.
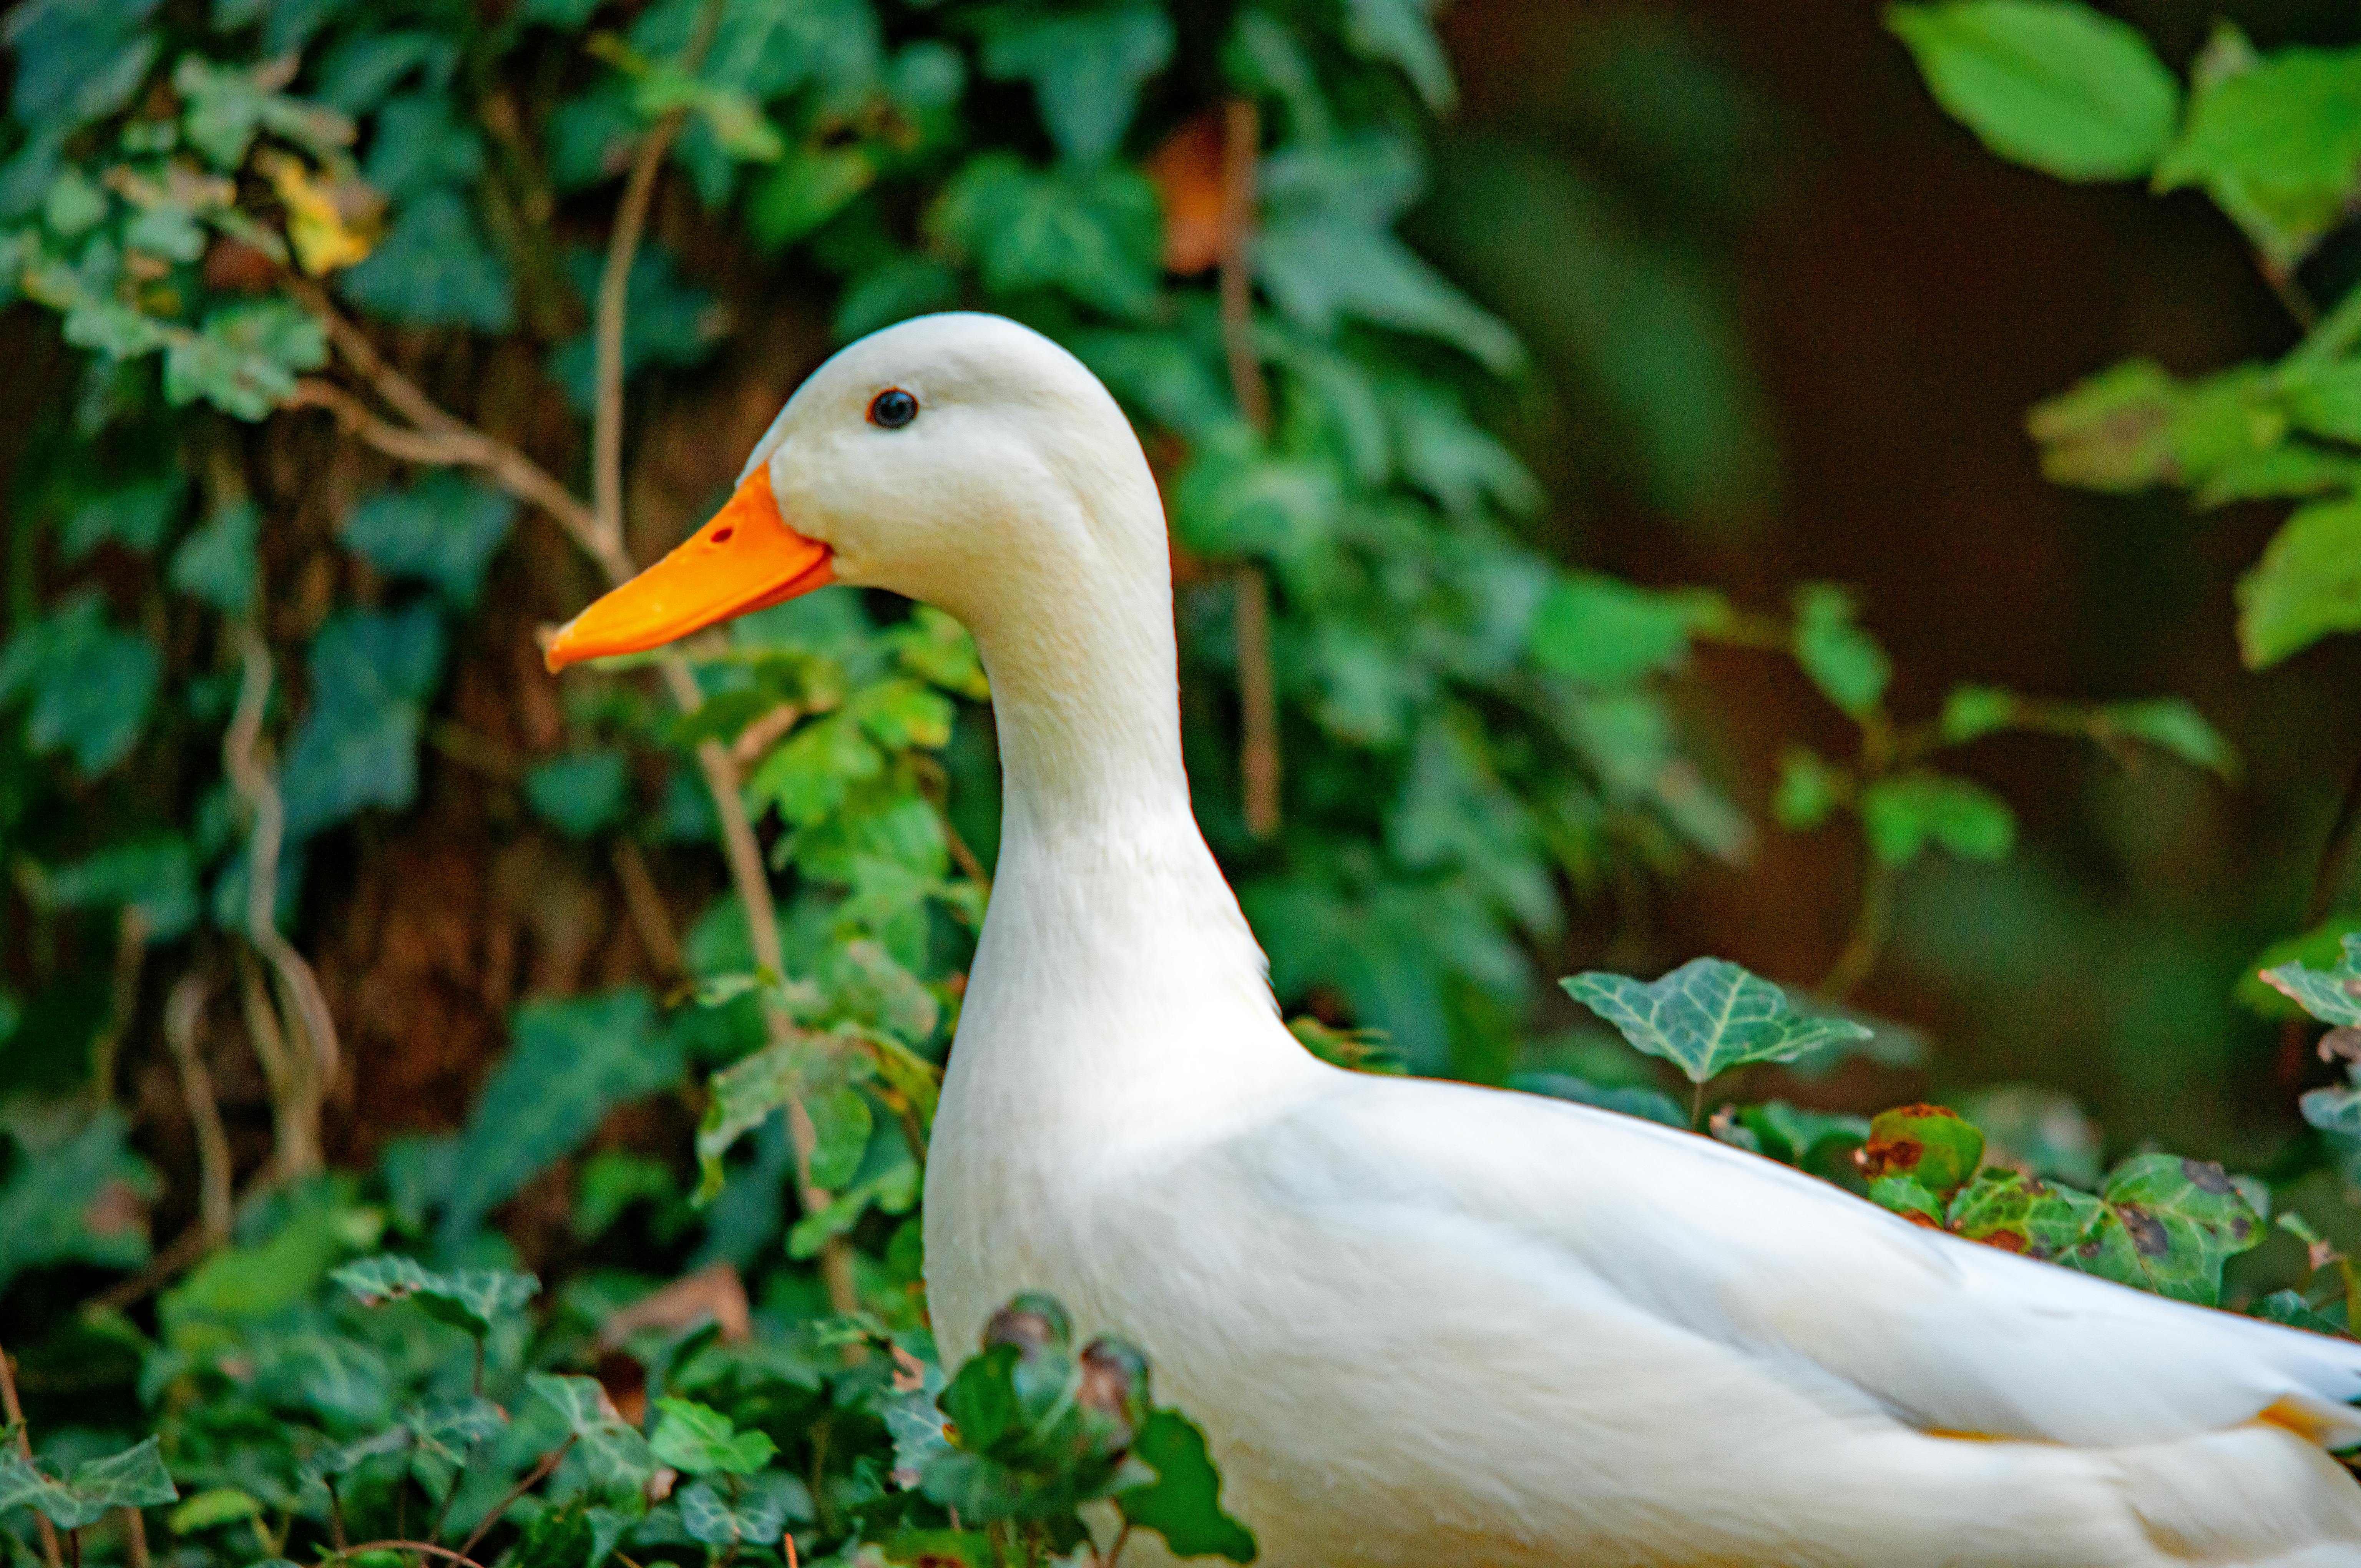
(747,558)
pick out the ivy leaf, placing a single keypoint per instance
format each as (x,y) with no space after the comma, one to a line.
(449,1430)
(700,1441)
(1086,68)
(134,517)
(810,186)
(1972,712)
(87,687)
(157,877)
(2332,995)
(2056,85)
(1842,660)
(371,674)
(1797,1136)
(1321,267)
(2307,585)
(445,529)
(76,61)
(580,796)
(1183,1504)
(470,1298)
(135,1479)
(572,1061)
(245,358)
(1902,815)
(1932,1144)
(217,562)
(1648,1105)
(434,268)
(666,321)
(1707,1016)
(2162,1224)
(223,108)
(757,1516)
(617,1452)
(1093,232)
(420,145)
(1402,31)
(207,1510)
(1605,632)
(78,1198)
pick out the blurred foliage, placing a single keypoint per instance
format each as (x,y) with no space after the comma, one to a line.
(324,283)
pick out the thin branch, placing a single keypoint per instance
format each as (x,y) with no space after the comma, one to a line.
(307,1005)
(183,1011)
(1869,932)
(15,1412)
(649,916)
(180,1254)
(461,447)
(134,1538)
(765,732)
(534,1478)
(130,958)
(1258,701)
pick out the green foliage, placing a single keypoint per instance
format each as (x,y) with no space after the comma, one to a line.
(1707,1016)
(86,686)
(472,1299)
(444,529)
(136,1478)
(2054,85)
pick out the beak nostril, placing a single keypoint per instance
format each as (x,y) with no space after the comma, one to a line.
(721,535)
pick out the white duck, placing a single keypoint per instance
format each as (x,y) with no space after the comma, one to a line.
(1424,1323)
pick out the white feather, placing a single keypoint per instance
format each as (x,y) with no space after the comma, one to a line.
(1424,1323)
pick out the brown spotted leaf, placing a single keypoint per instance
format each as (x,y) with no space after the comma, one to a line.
(2164,1223)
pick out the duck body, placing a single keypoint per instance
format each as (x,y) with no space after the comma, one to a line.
(1425,1324)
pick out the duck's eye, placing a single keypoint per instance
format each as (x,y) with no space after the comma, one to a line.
(893,408)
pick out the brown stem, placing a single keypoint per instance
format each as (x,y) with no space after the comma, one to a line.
(1258,704)
(15,1412)
(1259,715)
(307,1007)
(534,1478)
(1241,143)
(182,1012)
(134,1538)
(1868,931)
(130,958)
(646,907)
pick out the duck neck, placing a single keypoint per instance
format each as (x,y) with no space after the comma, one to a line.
(1114,963)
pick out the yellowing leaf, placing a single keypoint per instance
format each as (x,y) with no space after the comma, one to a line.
(317,214)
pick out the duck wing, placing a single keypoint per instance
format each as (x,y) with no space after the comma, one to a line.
(1947,1334)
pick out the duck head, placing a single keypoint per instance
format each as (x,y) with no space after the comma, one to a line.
(960,459)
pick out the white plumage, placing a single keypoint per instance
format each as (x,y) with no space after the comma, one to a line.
(1424,1323)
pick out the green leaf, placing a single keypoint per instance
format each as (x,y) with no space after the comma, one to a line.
(1321,267)
(449,1430)
(2172,725)
(698,1440)
(134,517)
(76,1197)
(2022,1214)
(217,562)
(76,61)
(1902,815)
(2290,1308)
(1842,660)
(2307,585)
(1932,1144)
(371,674)
(1183,1504)
(2332,995)
(618,1454)
(2316,948)
(134,1478)
(810,186)
(222,1505)
(445,529)
(560,1537)
(580,796)
(1094,233)
(157,877)
(809,777)
(434,268)
(2283,134)
(421,145)
(2059,86)
(1086,68)
(1905,1196)
(1403,32)
(2181,1221)
(1810,790)
(245,358)
(572,1061)
(666,321)
(2325,400)
(470,1298)
(756,1514)
(86,687)
(224,107)
(1706,1016)
(1797,1136)
(1649,1104)
(1607,632)
(1971,712)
